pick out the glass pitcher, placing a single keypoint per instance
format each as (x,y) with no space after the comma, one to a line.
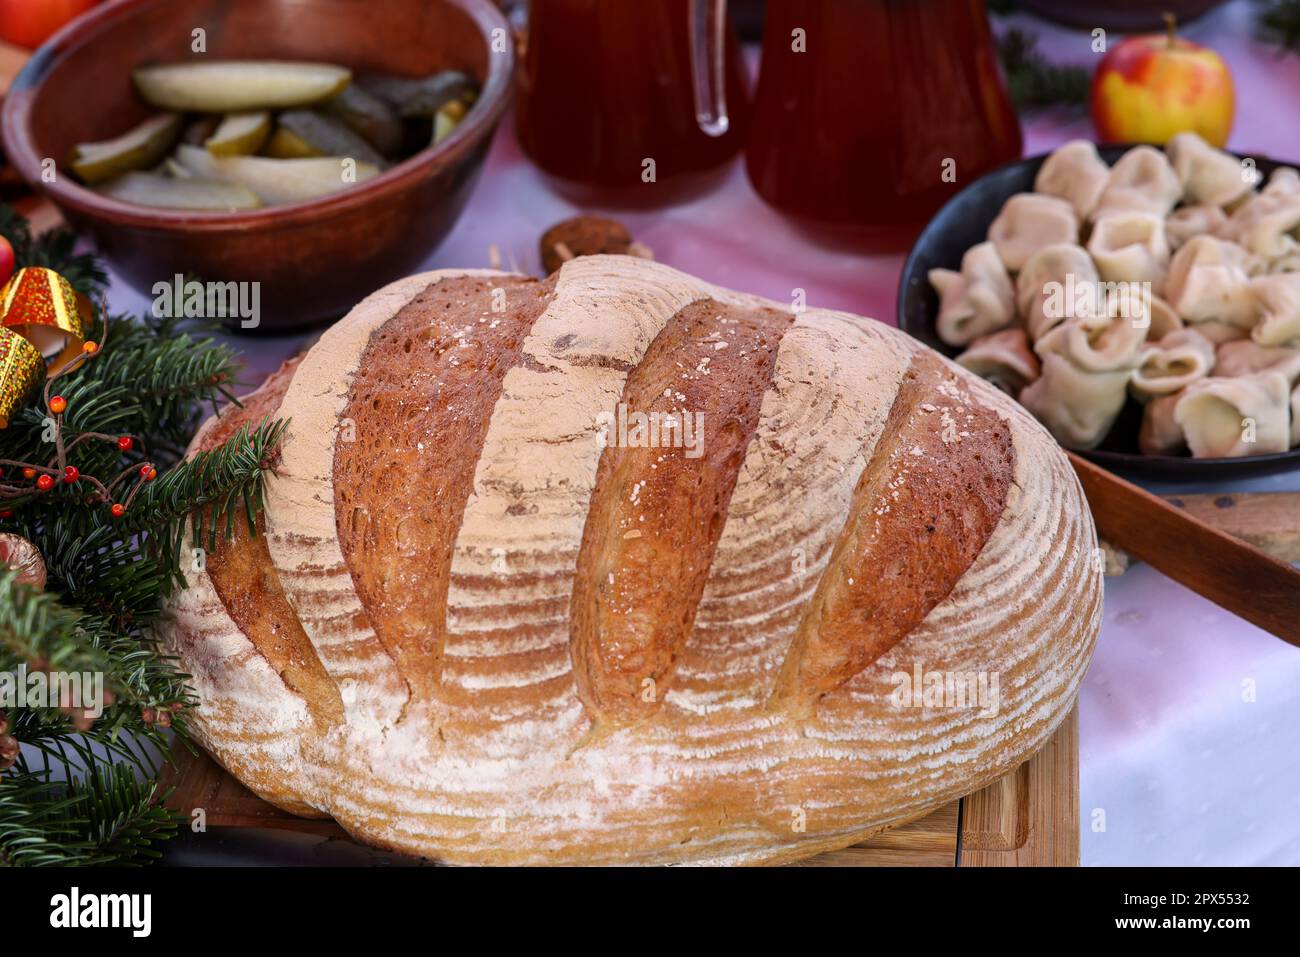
(869,114)
(631,102)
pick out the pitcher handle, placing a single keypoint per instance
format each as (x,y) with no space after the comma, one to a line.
(708,64)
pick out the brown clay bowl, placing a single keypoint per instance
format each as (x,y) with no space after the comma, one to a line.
(316,259)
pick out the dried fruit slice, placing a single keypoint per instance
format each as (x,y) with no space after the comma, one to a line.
(240,134)
(150,189)
(138,149)
(233,86)
(280,180)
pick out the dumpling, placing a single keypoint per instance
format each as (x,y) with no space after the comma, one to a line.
(1075,173)
(1245,357)
(1130,247)
(1077,407)
(1188,221)
(1175,362)
(1101,342)
(1160,433)
(1056,282)
(1164,320)
(1207,281)
(1278,297)
(1284,181)
(1027,223)
(1264,225)
(1295,417)
(1220,332)
(1142,180)
(1229,418)
(1208,175)
(1003,358)
(975,301)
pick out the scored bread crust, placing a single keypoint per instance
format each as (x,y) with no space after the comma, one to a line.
(506,643)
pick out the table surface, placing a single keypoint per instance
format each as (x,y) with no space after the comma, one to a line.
(1190,752)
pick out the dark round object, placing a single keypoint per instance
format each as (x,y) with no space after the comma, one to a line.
(963,222)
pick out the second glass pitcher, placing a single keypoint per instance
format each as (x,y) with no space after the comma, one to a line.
(637,102)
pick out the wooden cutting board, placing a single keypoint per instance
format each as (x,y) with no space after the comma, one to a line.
(1030,817)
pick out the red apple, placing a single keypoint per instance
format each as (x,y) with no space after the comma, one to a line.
(1149,88)
(29,23)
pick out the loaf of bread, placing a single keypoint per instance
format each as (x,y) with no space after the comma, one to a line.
(489,618)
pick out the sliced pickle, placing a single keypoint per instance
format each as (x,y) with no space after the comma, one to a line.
(328,136)
(150,189)
(199,131)
(289,145)
(446,120)
(420,97)
(279,180)
(240,134)
(174,169)
(236,86)
(139,149)
(369,117)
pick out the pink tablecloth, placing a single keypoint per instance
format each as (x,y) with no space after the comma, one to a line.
(1190,747)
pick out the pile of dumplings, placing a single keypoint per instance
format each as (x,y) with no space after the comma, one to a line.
(1168,277)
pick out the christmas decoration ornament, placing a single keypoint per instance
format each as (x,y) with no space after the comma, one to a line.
(21,368)
(7,260)
(42,306)
(25,558)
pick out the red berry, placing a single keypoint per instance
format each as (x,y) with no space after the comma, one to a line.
(90,348)
(45,483)
(125,443)
(6,514)
(148,472)
(29,474)
(118,510)
(71,474)
(58,405)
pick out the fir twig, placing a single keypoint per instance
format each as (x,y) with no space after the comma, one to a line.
(1032,81)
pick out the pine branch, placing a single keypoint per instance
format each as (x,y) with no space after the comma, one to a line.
(105,816)
(1278,22)
(1033,82)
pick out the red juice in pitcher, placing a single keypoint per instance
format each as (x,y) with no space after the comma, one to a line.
(633,101)
(863,106)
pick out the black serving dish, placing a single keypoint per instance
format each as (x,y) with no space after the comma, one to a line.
(964,222)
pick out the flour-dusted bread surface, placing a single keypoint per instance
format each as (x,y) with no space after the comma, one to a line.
(471,628)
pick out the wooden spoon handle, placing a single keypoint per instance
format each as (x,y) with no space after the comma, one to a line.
(1229,572)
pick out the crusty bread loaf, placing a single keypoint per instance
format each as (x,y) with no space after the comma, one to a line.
(472,630)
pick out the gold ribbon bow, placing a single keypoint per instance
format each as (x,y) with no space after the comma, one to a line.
(41,318)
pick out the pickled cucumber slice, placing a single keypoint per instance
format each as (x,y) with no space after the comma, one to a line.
(236,86)
(287,145)
(328,136)
(139,149)
(369,117)
(150,189)
(279,180)
(446,120)
(424,96)
(240,134)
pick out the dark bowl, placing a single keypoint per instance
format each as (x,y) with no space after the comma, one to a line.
(315,259)
(963,222)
